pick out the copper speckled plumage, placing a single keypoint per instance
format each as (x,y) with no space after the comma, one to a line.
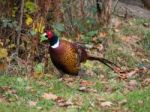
(67,57)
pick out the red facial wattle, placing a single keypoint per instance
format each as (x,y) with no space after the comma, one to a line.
(49,34)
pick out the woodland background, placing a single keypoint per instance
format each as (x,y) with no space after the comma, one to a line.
(118,30)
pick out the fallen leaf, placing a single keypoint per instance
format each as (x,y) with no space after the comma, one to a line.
(86,83)
(123,102)
(3,53)
(116,30)
(32,103)
(140,102)
(106,104)
(78,100)
(68,79)
(28,20)
(100,47)
(63,103)
(39,108)
(2,99)
(100,99)
(116,23)
(146,25)
(146,82)
(132,85)
(49,96)
(86,89)
(103,34)
(130,39)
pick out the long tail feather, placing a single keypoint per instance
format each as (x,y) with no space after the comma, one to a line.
(108,63)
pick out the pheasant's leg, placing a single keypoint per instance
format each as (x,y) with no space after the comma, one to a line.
(82,73)
(61,74)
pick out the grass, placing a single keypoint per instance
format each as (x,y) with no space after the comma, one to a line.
(126,50)
(28,89)
(139,100)
(146,41)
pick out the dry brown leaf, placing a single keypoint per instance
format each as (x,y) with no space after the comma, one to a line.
(100,47)
(100,99)
(140,102)
(49,96)
(2,99)
(39,108)
(106,104)
(130,39)
(146,82)
(103,34)
(86,89)
(116,23)
(32,103)
(68,79)
(132,85)
(117,30)
(78,100)
(123,102)
(63,103)
(86,83)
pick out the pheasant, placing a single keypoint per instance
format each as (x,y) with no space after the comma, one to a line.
(67,56)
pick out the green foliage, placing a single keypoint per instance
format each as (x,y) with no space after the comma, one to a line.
(8,23)
(78,24)
(92,33)
(92,9)
(30,7)
(43,38)
(88,36)
(59,27)
(32,32)
(90,20)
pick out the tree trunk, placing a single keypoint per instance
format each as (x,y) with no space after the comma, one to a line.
(146,3)
(105,13)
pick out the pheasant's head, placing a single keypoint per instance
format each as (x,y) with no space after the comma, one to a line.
(52,38)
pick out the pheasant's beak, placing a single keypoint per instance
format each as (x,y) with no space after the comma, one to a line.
(43,37)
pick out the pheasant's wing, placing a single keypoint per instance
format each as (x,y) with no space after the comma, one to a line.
(81,52)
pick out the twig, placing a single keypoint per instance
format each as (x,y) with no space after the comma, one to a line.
(20,26)
(115,6)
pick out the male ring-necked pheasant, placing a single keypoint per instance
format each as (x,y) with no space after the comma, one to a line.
(67,56)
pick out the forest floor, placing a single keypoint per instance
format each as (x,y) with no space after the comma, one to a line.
(99,90)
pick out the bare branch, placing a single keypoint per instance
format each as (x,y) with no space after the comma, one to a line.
(20,26)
